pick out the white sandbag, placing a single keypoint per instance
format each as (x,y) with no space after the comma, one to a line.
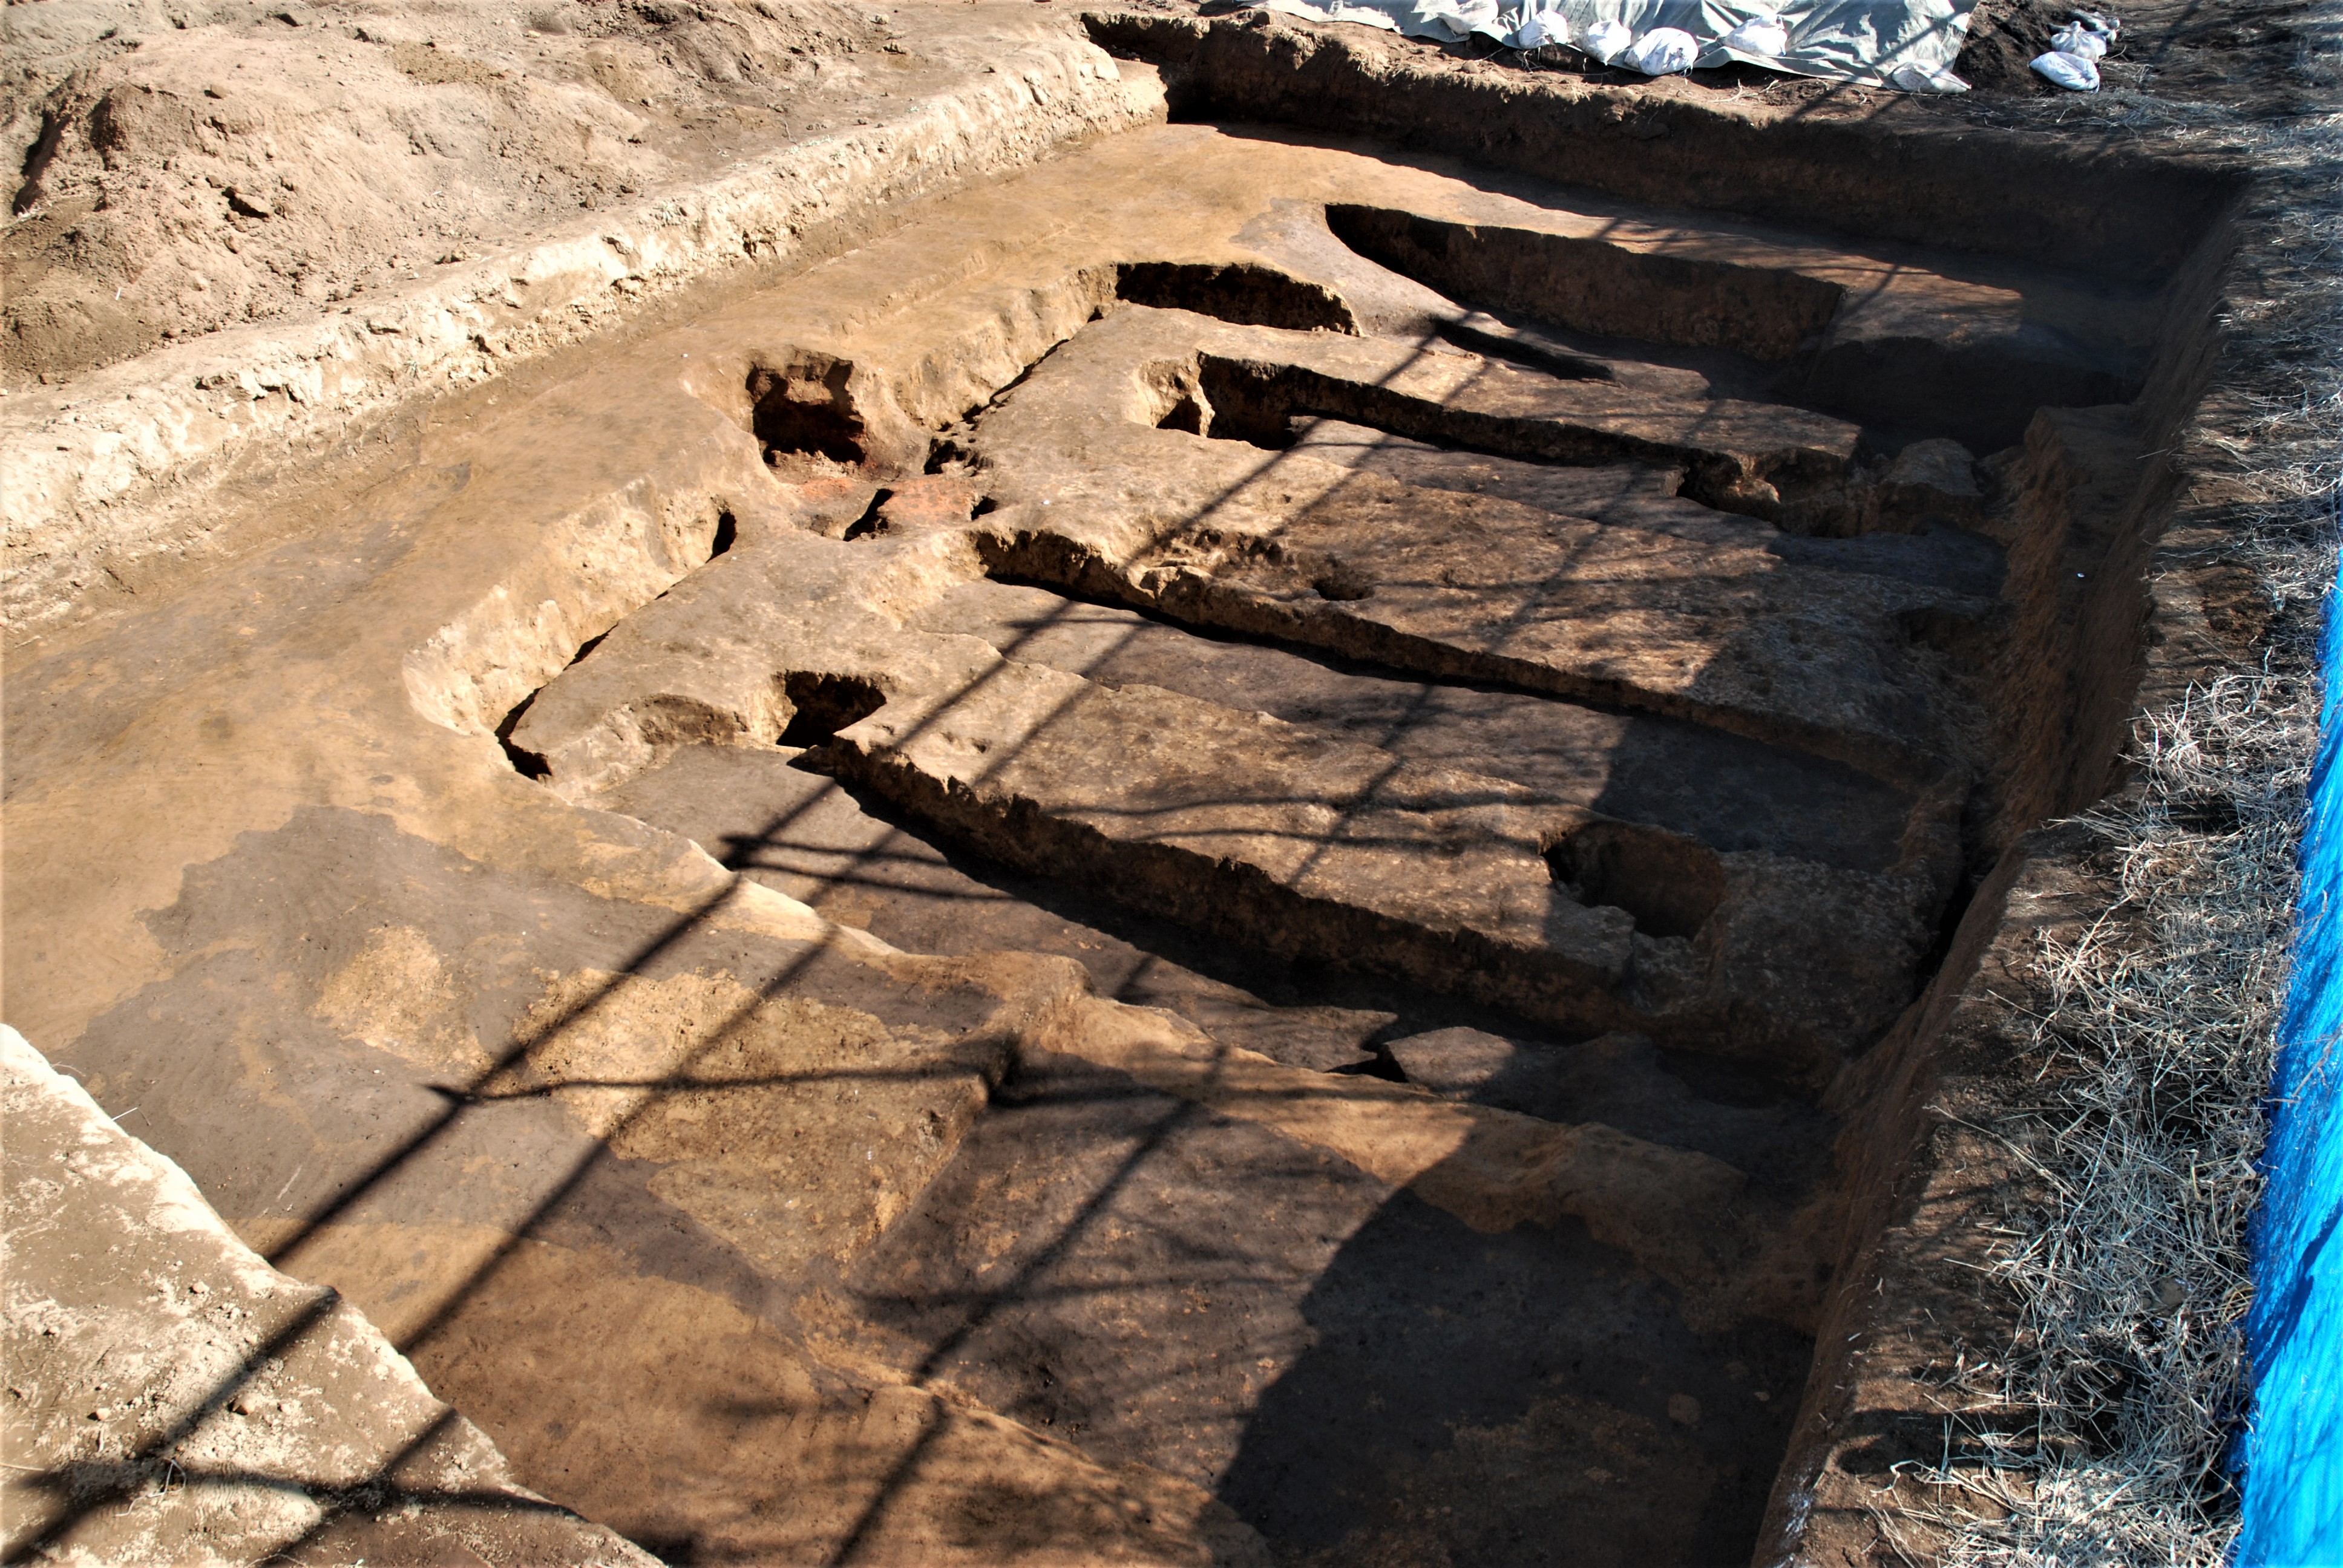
(1663,52)
(1546,28)
(1434,20)
(1857,40)
(1923,79)
(1607,40)
(2074,38)
(1332,11)
(2070,71)
(1757,35)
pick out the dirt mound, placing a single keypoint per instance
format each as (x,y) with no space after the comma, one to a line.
(187,168)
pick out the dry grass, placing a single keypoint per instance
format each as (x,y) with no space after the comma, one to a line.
(2132,1273)
(2102,1434)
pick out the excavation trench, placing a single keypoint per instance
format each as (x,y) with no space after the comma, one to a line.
(1259,841)
(1416,740)
(1594,743)
(1451,668)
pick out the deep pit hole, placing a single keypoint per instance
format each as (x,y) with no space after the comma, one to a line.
(525,762)
(1186,415)
(870,523)
(1595,287)
(822,705)
(1229,400)
(1245,294)
(1670,884)
(805,409)
(1342,582)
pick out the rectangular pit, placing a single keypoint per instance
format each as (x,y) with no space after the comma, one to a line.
(1416,836)
(1237,547)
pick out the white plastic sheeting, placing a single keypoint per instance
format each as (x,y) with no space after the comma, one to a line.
(1862,41)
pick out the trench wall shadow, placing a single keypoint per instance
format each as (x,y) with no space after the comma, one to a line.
(1526,1397)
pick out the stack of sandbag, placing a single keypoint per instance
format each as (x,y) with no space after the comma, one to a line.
(1908,44)
(2076,50)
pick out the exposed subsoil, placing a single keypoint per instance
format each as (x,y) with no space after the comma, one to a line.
(187,167)
(1219,856)
(1191,1291)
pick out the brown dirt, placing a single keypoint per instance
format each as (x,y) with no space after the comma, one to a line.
(172,1398)
(192,168)
(1260,847)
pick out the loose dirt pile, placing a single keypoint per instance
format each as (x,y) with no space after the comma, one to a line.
(185,167)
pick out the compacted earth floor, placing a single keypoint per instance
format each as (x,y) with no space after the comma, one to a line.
(1169,868)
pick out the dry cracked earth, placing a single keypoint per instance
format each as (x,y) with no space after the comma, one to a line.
(1200,858)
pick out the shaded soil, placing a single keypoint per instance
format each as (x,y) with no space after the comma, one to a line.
(1681,777)
(1364,1378)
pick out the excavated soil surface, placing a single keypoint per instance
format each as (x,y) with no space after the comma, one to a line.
(1182,865)
(192,166)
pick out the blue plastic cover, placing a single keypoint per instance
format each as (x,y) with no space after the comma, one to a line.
(2294,1445)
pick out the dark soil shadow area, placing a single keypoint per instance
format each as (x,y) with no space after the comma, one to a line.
(861,861)
(1728,791)
(1362,1377)
(1517,1399)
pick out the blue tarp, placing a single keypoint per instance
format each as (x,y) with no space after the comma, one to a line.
(2294,1445)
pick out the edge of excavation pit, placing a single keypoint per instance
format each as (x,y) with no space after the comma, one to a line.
(113,482)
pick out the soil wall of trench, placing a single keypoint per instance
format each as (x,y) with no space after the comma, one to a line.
(1924,1195)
